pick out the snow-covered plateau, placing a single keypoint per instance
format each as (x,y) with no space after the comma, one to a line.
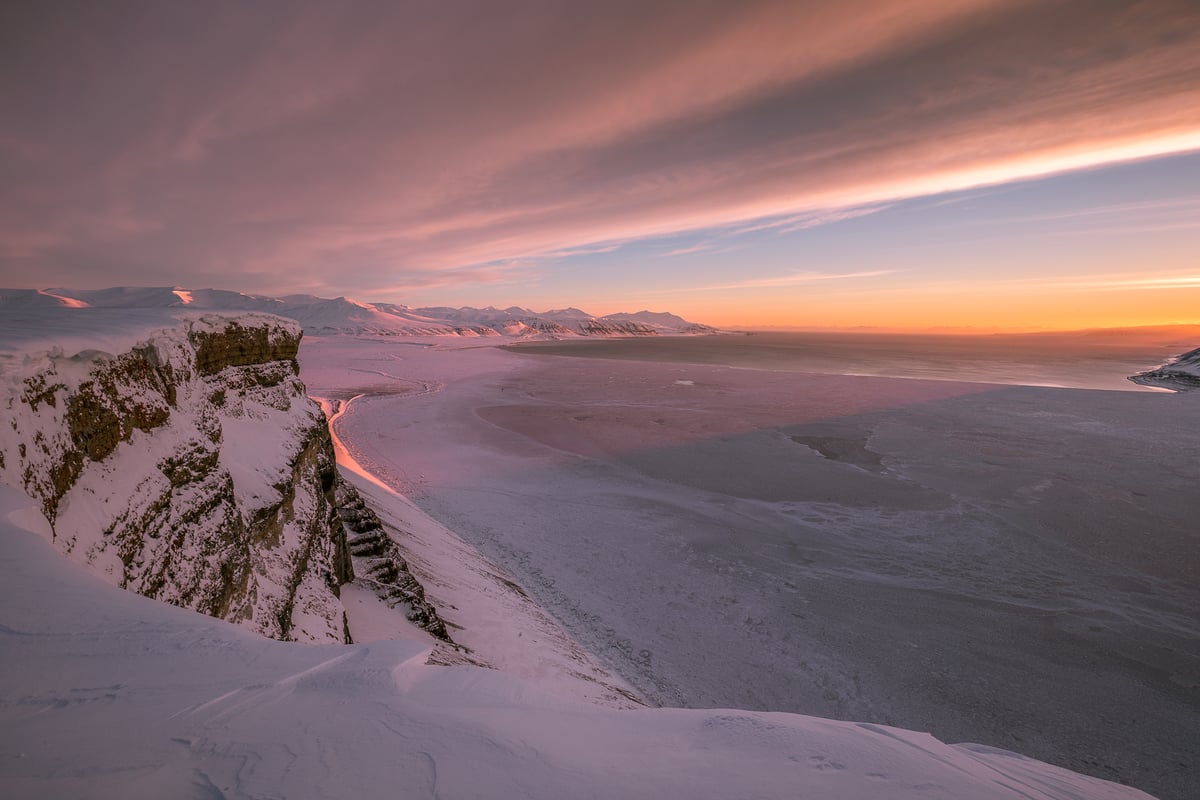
(173,451)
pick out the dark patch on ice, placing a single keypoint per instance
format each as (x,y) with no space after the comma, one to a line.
(850,451)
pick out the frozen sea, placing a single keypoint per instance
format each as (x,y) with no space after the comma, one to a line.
(1081,360)
(1013,565)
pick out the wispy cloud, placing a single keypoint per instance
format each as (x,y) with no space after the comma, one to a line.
(1174,212)
(724,237)
(1103,282)
(597,248)
(791,279)
(1127,283)
(700,247)
(812,219)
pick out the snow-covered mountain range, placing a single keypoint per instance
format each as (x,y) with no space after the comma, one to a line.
(342,315)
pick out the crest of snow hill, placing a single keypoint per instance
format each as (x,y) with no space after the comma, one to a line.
(341,315)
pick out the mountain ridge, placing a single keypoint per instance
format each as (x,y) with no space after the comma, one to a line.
(344,315)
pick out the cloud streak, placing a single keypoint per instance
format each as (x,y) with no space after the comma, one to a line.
(1127,283)
(791,279)
(370,146)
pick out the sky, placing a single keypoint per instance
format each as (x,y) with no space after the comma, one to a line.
(984,164)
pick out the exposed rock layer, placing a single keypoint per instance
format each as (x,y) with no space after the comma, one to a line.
(379,565)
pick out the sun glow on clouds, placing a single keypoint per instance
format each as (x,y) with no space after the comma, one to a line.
(386,149)
(1049,163)
(1161,282)
(793,279)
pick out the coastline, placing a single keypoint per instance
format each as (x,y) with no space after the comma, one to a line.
(976,601)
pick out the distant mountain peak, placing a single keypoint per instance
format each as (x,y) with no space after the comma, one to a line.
(568,312)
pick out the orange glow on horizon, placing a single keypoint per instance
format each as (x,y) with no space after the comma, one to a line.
(981,309)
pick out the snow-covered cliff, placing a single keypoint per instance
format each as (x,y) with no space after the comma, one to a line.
(184,462)
(1181,373)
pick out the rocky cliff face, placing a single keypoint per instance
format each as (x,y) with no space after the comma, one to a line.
(379,566)
(191,468)
(1182,373)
